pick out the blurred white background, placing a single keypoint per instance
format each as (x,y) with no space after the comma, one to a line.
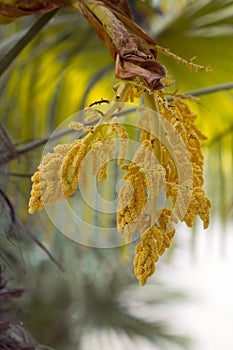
(206,274)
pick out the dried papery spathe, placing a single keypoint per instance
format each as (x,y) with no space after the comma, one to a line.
(128,44)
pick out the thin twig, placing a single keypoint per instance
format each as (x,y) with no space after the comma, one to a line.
(11,210)
(32,146)
(210,89)
(187,63)
(9,57)
(6,139)
(16,175)
(37,241)
(38,143)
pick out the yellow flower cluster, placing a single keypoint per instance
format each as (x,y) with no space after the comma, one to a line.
(102,150)
(123,137)
(59,173)
(47,187)
(132,203)
(182,119)
(188,198)
(144,180)
(153,244)
(71,165)
(155,169)
(146,256)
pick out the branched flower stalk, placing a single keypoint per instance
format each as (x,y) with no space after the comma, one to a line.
(174,167)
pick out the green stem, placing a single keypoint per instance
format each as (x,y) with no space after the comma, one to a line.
(151,104)
(114,105)
(109,22)
(10,56)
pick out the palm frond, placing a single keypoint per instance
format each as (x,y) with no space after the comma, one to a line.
(97,299)
(203,30)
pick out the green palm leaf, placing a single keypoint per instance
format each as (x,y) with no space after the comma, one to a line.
(203,29)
